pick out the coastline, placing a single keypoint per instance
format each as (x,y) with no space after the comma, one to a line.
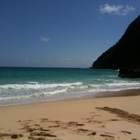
(102,117)
(126,92)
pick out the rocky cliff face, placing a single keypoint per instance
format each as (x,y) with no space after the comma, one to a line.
(125,53)
(129,73)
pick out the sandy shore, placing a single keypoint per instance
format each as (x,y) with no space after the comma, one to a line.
(108,118)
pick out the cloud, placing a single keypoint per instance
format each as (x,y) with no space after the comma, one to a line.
(44,39)
(35,61)
(26,61)
(65,59)
(115,9)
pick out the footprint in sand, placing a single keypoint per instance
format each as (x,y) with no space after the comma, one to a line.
(96,116)
(108,137)
(89,118)
(126,132)
(74,124)
(114,120)
(36,125)
(57,122)
(15,136)
(96,122)
(91,112)
(44,129)
(4,135)
(12,136)
(36,133)
(43,120)
(82,130)
(92,134)
(54,126)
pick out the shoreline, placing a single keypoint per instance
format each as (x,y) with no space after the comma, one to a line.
(103,94)
(102,117)
(126,92)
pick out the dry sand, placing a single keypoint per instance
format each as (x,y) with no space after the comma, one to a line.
(108,118)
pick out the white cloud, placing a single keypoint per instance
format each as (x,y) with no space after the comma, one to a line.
(35,61)
(116,9)
(26,61)
(65,59)
(127,10)
(44,39)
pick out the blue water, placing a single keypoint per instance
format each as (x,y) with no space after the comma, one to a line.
(27,85)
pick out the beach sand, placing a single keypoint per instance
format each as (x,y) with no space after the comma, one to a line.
(107,118)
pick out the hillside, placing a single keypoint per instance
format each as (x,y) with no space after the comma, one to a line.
(125,53)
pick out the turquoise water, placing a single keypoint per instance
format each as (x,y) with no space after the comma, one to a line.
(27,85)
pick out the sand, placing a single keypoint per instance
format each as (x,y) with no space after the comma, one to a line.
(106,118)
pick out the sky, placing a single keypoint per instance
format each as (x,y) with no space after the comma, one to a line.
(61,33)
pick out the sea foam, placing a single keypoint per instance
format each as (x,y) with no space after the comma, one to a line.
(47,84)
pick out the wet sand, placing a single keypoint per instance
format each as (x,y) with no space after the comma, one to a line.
(115,116)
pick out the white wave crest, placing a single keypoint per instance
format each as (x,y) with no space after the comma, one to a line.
(37,95)
(37,86)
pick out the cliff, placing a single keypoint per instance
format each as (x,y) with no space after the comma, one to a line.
(125,53)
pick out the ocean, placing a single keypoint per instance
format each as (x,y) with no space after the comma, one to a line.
(30,85)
